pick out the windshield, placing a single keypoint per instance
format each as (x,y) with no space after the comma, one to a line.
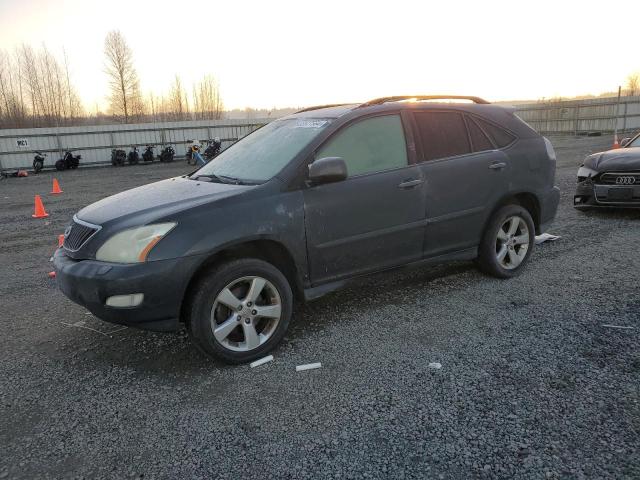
(262,154)
(635,142)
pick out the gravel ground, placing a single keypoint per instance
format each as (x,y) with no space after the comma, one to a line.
(531,384)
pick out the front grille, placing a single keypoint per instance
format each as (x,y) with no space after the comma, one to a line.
(620,178)
(78,235)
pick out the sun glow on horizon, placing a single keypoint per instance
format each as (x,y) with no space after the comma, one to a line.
(287,53)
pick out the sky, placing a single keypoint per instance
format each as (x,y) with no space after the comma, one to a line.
(282,53)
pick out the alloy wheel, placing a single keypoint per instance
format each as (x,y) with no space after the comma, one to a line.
(512,242)
(246,313)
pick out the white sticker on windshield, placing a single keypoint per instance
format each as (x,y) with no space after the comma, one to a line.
(309,123)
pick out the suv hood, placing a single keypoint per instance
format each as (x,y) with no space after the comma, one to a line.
(619,160)
(158,199)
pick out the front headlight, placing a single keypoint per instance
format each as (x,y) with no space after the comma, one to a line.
(133,245)
(586,172)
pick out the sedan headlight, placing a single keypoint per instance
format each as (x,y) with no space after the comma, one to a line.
(586,172)
(133,245)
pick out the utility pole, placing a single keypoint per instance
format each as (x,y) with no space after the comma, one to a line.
(615,117)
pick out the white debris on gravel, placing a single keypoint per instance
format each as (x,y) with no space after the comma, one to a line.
(261,361)
(435,365)
(546,237)
(308,366)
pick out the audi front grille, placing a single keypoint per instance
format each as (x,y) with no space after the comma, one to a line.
(620,178)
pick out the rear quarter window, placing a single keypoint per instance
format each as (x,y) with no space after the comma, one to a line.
(500,137)
(479,140)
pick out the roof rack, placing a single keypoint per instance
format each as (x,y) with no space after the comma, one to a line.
(381,100)
(318,107)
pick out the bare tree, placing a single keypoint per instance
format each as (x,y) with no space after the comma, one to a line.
(207,102)
(178,105)
(125,95)
(13,109)
(633,84)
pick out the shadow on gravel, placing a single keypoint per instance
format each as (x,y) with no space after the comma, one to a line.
(381,289)
(612,213)
(173,353)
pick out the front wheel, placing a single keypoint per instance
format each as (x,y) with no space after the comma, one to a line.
(37,166)
(60,165)
(240,311)
(507,242)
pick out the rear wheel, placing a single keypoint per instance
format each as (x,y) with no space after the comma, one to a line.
(240,311)
(507,242)
(60,165)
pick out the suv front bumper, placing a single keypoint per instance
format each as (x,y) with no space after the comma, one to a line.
(163,283)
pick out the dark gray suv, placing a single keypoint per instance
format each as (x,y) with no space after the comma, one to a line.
(305,204)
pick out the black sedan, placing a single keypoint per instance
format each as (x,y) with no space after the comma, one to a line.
(611,178)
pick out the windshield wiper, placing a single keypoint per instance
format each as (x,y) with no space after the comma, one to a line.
(210,178)
(234,180)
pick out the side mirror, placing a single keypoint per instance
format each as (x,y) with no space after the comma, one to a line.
(327,170)
(625,141)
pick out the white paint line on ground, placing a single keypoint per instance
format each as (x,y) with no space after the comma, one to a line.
(261,361)
(308,366)
(435,365)
(86,328)
(618,326)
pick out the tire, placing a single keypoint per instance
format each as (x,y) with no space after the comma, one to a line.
(209,308)
(37,166)
(60,165)
(497,241)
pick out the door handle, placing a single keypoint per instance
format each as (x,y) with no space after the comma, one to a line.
(411,183)
(497,166)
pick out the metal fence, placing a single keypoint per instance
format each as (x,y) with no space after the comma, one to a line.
(94,143)
(580,117)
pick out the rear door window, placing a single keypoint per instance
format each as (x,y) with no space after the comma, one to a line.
(442,134)
(370,145)
(500,136)
(479,141)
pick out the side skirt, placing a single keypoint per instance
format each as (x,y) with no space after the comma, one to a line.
(318,291)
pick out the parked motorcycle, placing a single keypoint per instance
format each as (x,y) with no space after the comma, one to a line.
(38,162)
(167,154)
(147,156)
(133,157)
(213,149)
(118,157)
(69,161)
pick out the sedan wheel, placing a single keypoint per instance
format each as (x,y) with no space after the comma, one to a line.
(246,313)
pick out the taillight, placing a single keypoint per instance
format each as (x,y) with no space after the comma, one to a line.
(551,153)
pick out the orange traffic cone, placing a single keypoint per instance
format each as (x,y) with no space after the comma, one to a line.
(39,211)
(56,187)
(616,144)
(60,240)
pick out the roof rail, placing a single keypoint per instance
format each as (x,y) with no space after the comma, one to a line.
(318,107)
(379,101)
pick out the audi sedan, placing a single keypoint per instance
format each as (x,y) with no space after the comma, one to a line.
(611,178)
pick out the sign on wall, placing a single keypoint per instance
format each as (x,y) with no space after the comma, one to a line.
(22,143)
